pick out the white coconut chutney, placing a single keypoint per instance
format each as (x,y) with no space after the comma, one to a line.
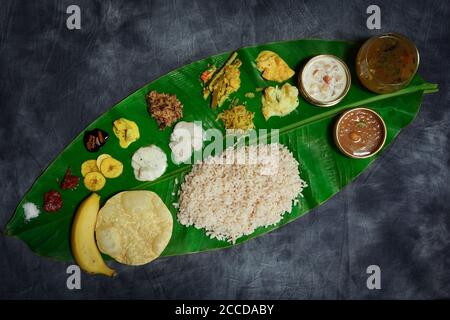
(186,137)
(149,163)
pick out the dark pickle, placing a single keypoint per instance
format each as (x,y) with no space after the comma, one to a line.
(95,139)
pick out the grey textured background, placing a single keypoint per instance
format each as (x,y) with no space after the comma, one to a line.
(53,82)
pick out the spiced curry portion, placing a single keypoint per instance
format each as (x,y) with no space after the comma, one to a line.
(392,60)
(360,132)
(387,63)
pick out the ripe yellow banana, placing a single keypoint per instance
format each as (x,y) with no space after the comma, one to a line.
(84,246)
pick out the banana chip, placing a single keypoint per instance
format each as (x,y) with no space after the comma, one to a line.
(111,168)
(88,166)
(100,158)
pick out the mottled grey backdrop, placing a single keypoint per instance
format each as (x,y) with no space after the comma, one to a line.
(54,82)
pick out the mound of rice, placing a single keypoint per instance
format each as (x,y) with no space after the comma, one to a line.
(232,194)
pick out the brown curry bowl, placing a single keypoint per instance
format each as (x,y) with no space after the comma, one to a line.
(336,134)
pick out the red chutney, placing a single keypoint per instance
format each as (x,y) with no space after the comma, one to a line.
(69,181)
(52,201)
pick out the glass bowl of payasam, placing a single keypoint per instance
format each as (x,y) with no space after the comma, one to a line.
(360,133)
(387,62)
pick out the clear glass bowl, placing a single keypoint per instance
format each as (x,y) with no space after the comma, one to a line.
(387,63)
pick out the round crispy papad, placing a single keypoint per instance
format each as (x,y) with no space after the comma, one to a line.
(134,227)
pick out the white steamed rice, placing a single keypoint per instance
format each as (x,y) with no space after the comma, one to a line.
(230,198)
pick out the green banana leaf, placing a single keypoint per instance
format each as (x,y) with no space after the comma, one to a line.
(306,132)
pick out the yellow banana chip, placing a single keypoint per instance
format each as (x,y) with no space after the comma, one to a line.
(111,168)
(89,166)
(100,158)
(94,181)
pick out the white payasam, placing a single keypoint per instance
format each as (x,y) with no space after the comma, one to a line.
(232,194)
(324,78)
